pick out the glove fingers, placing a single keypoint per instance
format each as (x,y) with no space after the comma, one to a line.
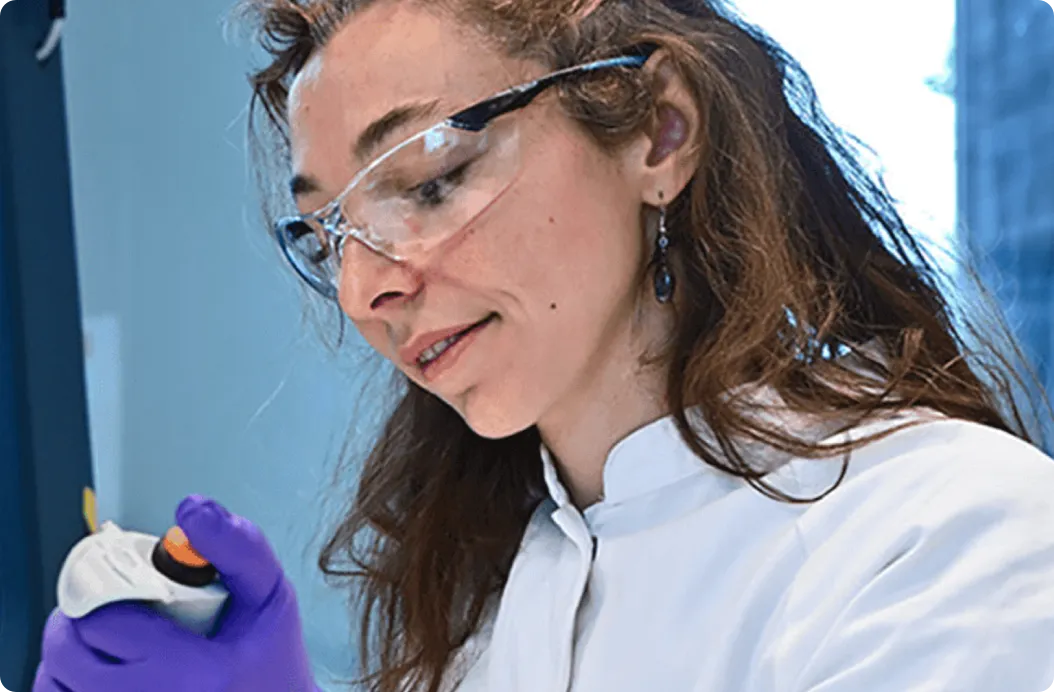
(130,631)
(68,662)
(235,546)
(43,682)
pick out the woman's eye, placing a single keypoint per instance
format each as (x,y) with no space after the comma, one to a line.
(436,191)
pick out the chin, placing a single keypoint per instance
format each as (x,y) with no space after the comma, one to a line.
(494,420)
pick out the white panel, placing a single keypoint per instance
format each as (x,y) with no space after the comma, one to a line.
(102,361)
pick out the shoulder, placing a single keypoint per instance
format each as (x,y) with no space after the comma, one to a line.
(927,474)
(939,539)
(935,440)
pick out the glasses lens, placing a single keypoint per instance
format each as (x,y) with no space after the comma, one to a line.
(309,250)
(433,185)
(416,196)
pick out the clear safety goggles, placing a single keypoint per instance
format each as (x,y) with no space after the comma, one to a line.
(425,189)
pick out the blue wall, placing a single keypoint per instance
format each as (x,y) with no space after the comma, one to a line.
(220,387)
(1005,92)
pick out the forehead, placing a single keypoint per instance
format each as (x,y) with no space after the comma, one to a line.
(387,56)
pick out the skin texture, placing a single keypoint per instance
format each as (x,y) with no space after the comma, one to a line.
(558,256)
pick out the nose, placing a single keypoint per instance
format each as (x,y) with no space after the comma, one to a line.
(372,284)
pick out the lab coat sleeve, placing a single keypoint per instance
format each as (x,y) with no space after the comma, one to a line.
(934,572)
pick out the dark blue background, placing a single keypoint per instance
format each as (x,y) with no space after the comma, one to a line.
(44,451)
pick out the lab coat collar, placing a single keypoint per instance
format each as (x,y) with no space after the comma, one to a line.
(647,459)
(655,456)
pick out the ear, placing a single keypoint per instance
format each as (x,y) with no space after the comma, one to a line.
(665,156)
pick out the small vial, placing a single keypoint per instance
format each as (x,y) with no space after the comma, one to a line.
(175,558)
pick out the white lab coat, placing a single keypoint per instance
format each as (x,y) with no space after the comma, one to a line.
(930,569)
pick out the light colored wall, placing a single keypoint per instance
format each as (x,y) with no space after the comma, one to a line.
(202,376)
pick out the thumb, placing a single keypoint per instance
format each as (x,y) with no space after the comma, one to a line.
(236,548)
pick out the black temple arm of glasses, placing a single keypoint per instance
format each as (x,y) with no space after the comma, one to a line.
(476,117)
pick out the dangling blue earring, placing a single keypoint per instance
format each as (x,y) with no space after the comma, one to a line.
(664,281)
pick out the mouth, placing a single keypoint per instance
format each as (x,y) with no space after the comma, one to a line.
(439,353)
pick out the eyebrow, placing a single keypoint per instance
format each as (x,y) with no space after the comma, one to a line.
(371,139)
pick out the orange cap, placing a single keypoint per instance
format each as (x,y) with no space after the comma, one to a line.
(177,545)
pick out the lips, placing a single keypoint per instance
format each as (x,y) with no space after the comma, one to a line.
(411,353)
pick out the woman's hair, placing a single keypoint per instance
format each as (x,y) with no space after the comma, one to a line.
(787,254)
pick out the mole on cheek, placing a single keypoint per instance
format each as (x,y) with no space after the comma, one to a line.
(552,220)
(552,306)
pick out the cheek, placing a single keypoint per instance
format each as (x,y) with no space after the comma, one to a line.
(375,334)
(583,241)
(566,233)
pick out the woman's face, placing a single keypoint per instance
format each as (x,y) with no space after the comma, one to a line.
(554,259)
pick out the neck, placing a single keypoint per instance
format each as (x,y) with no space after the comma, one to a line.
(605,404)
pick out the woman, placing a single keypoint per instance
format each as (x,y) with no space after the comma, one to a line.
(680,403)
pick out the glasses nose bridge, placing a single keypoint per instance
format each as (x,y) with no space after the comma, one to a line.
(339,227)
(363,237)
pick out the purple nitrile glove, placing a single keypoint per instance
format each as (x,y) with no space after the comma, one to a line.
(127,647)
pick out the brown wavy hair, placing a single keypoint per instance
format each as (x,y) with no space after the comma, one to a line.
(787,252)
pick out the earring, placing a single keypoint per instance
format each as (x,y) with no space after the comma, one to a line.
(664,281)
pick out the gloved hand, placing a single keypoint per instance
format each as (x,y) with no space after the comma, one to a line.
(126,647)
